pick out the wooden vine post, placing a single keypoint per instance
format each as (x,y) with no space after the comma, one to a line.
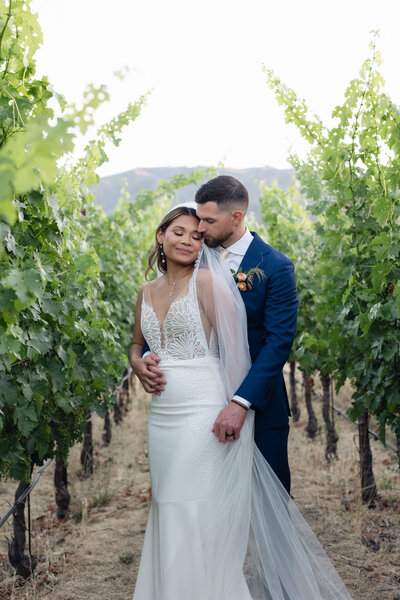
(24,564)
(331,435)
(368,488)
(294,406)
(398,448)
(62,494)
(312,425)
(87,446)
(107,432)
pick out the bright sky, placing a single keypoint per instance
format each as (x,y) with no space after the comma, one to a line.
(203,62)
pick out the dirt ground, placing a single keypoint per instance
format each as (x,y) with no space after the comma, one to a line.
(95,553)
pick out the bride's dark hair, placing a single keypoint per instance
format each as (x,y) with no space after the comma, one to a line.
(155,258)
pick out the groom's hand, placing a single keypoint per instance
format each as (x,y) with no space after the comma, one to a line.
(148,373)
(230,420)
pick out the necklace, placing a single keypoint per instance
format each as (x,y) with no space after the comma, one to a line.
(173,284)
(173,288)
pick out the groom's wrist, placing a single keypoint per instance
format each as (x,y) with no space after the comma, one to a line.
(241,402)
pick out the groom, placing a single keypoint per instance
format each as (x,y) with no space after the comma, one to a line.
(271,305)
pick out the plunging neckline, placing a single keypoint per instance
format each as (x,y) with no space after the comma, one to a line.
(150,305)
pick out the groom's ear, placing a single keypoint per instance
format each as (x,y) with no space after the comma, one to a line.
(237,216)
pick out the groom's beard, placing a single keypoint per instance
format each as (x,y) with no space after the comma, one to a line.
(213,242)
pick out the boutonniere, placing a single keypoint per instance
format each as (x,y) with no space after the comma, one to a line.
(245,279)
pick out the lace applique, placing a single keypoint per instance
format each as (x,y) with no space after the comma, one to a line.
(181,335)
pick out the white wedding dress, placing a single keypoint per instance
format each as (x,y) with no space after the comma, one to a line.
(221,526)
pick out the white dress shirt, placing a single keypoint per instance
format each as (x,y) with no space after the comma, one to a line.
(233,259)
(238,250)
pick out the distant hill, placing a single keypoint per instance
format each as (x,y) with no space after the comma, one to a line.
(107,192)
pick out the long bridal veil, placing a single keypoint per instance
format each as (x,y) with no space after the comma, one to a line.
(253,525)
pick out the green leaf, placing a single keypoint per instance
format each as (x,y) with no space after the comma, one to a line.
(41,341)
(9,345)
(25,283)
(396,295)
(383,208)
(8,389)
(379,275)
(26,418)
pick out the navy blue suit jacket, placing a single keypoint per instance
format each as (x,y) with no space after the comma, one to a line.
(271,308)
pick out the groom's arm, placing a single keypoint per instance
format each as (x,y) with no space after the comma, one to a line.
(280,317)
(279,323)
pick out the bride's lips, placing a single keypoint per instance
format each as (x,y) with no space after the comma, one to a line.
(184,251)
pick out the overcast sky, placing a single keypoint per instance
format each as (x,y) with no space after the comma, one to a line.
(203,60)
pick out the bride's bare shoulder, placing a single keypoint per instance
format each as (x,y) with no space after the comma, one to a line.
(204,282)
(151,288)
(204,277)
(155,284)
(145,288)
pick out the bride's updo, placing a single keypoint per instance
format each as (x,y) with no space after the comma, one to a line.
(155,256)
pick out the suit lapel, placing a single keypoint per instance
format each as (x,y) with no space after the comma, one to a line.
(254,254)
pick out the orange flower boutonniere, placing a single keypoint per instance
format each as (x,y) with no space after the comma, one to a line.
(245,279)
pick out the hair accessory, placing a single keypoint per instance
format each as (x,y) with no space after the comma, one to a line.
(182,205)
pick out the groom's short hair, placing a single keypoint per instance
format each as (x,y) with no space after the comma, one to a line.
(226,191)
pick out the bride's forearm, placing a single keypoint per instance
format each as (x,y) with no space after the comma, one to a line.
(135,353)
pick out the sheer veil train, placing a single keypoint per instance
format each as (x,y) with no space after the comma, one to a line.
(253,518)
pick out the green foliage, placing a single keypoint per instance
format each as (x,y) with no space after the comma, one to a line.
(69,275)
(23,108)
(352,181)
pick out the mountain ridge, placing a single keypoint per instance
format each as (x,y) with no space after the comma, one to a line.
(107,191)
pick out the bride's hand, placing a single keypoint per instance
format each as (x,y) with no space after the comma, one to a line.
(229,421)
(148,373)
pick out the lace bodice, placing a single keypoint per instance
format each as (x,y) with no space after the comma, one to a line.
(181,335)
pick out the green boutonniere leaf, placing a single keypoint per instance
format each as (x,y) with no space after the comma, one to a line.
(245,279)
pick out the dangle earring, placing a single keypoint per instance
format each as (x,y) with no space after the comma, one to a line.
(163,261)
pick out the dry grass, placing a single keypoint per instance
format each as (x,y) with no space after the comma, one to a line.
(95,553)
(363,543)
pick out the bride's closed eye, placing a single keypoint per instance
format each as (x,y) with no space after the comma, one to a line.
(198,239)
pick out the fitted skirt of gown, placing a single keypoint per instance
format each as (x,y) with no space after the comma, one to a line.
(189,524)
(221,526)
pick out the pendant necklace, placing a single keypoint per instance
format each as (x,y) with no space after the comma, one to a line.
(173,288)
(173,284)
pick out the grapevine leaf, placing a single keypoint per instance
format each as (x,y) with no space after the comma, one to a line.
(26,283)
(26,418)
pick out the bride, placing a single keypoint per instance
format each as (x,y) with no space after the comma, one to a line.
(221,526)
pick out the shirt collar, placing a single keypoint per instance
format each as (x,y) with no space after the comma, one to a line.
(241,246)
